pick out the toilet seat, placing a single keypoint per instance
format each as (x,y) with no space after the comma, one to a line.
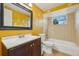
(48,49)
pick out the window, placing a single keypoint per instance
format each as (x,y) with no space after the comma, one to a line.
(60,20)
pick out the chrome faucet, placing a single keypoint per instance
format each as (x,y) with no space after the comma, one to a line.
(21,36)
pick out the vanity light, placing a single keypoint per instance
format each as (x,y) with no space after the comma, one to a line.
(26,5)
(30,4)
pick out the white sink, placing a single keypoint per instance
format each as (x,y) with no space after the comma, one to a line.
(11,41)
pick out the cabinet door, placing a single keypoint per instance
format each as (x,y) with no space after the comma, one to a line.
(21,50)
(36,48)
(29,48)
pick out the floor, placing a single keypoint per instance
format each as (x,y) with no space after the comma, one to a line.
(56,53)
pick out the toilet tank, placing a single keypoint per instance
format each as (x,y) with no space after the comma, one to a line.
(43,36)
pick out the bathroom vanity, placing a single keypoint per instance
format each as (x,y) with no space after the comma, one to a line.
(24,47)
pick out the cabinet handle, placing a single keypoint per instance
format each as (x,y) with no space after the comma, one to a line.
(31,45)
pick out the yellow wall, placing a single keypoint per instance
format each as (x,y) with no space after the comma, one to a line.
(37,15)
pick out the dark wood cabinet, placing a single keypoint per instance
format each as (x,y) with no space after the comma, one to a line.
(32,48)
(21,50)
(35,48)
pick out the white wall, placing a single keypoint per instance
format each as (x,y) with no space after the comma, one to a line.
(77,22)
(64,11)
(64,32)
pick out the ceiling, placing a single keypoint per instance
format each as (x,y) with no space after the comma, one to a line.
(47,6)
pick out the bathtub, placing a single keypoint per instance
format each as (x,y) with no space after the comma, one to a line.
(67,47)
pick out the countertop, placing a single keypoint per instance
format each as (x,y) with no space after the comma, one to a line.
(12,42)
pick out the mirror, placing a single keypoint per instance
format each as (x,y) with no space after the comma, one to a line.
(62,19)
(16,16)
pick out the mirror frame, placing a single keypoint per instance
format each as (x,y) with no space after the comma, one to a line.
(13,27)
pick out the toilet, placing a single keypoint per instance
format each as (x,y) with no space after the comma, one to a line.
(46,49)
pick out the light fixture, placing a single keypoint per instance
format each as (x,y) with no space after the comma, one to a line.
(27,5)
(30,4)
